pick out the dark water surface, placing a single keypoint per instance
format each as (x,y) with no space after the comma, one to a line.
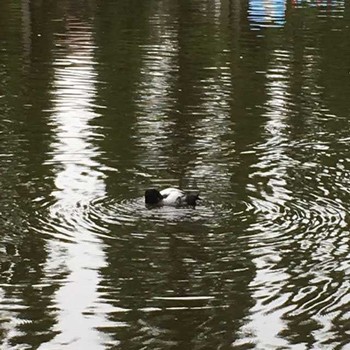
(247,101)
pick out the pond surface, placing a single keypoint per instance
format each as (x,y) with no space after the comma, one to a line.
(245,101)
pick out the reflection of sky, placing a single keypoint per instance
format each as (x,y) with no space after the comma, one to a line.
(272,165)
(266,318)
(267,13)
(77,180)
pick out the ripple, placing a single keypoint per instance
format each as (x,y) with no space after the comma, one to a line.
(299,237)
(100,217)
(129,212)
(107,210)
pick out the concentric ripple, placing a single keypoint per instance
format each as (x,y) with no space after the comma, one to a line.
(299,239)
(99,216)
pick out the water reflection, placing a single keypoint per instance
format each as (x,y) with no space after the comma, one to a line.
(288,217)
(188,94)
(269,198)
(77,180)
(154,101)
(267,13)
(326,4)
(192,278)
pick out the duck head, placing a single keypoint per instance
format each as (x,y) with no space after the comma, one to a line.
(153,196)
(192,198)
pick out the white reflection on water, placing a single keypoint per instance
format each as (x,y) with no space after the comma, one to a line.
(266,322)
(290,222)
(77,181)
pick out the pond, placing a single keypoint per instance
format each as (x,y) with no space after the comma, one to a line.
(246,102)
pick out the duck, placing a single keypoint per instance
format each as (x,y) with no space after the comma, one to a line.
(171,197)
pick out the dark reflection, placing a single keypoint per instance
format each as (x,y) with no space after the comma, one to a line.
(119,37)
(173,286)
(27,306)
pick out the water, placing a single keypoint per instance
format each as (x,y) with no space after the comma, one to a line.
(246,101)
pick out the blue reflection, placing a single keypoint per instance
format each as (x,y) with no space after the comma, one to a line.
(267,13)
